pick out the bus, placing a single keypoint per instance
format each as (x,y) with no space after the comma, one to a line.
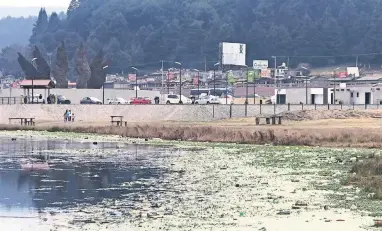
(222,93)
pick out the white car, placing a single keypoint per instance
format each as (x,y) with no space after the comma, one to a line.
(175,99)
(118,100)
(208,99)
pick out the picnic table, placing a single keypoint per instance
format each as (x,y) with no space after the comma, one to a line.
(117,120)
(24,121)
(270,118)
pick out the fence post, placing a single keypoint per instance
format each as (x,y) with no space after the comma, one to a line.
(14,100)
(328,106)
(260,107)
(213,111)
(365,106)
(246,110)
(315,106)
(274,109)
(9,100)
(288,106)
(2,100)
(302,107)
(230,111)
(353,106)
(377,106)
(341,106)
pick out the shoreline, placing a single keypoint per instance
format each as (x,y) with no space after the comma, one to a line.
(226,133)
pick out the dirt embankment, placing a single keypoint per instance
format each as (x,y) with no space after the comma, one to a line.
(330,114)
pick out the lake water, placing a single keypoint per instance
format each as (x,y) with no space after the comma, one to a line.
(40,174)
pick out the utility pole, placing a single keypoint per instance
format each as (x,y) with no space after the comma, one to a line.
(356,61)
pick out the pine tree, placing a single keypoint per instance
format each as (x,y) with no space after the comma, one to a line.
(82,67)
(74,4)
(54,22)
(41,64)
(61,70)
(39,27)
(29,70)
(98,75)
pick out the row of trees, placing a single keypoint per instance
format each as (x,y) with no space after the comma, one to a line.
(90,76)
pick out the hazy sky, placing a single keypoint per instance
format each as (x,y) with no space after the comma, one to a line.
(34,3)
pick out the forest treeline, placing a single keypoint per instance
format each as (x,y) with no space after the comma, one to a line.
(143,32)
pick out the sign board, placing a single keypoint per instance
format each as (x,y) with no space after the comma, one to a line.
(170,76)
(342,74)
(233,54)
(353,71)
(195,80)
(260,64)
(132,77)
(265,73)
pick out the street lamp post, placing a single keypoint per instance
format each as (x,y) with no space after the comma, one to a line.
(276,82)
(136,81)
(180,82)
(216,64)
(103,87)
(33,63)
(198,82)
(246,89)
(334,90)
(306,86)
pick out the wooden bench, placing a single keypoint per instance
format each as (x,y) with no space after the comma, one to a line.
(24,121)
(117,120)
(269,119)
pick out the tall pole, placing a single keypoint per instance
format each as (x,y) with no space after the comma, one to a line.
(306,89)
(356,61)
(168,86)
(334,92)
(103,93)
(198,85)
(33,62)
(276,82)
(214,79)
(136,83)
(226,87)
(254,89)
(180,84)
(246,89)
(162,91)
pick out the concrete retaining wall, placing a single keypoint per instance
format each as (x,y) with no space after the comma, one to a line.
(151,113)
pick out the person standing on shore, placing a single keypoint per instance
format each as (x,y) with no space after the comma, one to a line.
(70,116)
(66,116)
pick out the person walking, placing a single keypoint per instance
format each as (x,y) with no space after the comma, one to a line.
(70,116)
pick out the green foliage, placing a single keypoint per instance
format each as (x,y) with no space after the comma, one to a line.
(143,31)
(61,69)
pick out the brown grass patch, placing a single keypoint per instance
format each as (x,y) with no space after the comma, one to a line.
(368,175)
(339,137)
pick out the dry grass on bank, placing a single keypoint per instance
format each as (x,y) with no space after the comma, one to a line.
(368,175)
(326,136)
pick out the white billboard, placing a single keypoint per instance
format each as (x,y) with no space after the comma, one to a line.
(233,54)
(353,71)
(260,64)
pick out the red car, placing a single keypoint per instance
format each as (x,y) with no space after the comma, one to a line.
(140,100)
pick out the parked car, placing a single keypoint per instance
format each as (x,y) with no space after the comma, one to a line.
(118,100)
(63,100)
(37,99)
(175,99)
(140,100)
(207,99)
(90,100)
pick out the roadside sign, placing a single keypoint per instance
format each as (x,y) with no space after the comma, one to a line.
(260,64)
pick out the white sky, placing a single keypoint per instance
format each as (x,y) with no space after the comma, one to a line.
(35,3)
